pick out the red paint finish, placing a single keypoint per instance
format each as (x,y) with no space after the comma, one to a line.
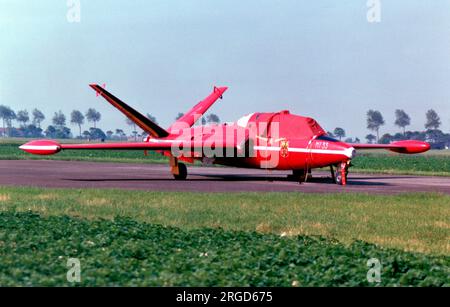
(41,147)
(277,140)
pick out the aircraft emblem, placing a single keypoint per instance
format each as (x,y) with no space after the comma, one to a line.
(284,148)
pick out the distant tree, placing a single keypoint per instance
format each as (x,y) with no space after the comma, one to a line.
(50,132)
(38,117)
(109,134)
(132,124)
(3,115)
(7,115)
(86,134)
(59,119)
(152,118)
(433,120)
(339,132)
(58,132)
(375,121)
(435,136)
(402,119)
(120,133)
(386,139)
(23,117)
(9,121)
(64,133)
(416,135)
(330,134)
(96,134)
(93,116)
(31,131)
(77,118)
(213,118)
(203,121)
(370,138)
(357,140)
(180,115)
(399,136)
(348,140)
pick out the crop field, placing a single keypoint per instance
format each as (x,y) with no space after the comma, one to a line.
(194,239)
(434,163)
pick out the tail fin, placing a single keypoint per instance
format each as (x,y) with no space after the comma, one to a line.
(189,119)
(142,121)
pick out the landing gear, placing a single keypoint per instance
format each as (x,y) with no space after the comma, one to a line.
(340,175)
(179,170)
(182,172)
(299,175)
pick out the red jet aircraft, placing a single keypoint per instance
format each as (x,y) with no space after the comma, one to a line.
(279,140)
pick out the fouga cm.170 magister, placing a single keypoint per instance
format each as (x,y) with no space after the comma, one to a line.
(279,141)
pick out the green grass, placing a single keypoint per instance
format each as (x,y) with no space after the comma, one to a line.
(213,239)
(414,222)
(126,252)
(436,163)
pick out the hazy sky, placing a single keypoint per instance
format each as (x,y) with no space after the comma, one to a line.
(316,58)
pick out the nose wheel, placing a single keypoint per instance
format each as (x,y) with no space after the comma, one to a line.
(340,175)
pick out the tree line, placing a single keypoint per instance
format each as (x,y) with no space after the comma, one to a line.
(30,125)
(375,121)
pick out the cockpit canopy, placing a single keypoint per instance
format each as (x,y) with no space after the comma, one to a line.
(288,125)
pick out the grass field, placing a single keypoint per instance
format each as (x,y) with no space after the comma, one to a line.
(433,163)
(273,239)
(125,252)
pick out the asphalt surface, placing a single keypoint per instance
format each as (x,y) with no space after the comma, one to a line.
(154,177)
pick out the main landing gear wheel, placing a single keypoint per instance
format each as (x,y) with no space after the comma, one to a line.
(299,175)
(182,172)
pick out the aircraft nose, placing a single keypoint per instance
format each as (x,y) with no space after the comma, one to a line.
(346,150)
(350,152)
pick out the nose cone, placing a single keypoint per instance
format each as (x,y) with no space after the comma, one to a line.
(343,149)
(339,151)
(350,152)
(328,151)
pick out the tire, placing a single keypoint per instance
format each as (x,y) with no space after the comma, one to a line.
(298,175)
(338,176)
(182,172)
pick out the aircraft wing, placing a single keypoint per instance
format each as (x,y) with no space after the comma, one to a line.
(142,121)
(189,119)
(406,147)
(49,147)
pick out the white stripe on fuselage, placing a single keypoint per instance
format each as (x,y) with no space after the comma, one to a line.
(346,152)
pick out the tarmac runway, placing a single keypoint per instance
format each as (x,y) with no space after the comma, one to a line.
(155,177)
